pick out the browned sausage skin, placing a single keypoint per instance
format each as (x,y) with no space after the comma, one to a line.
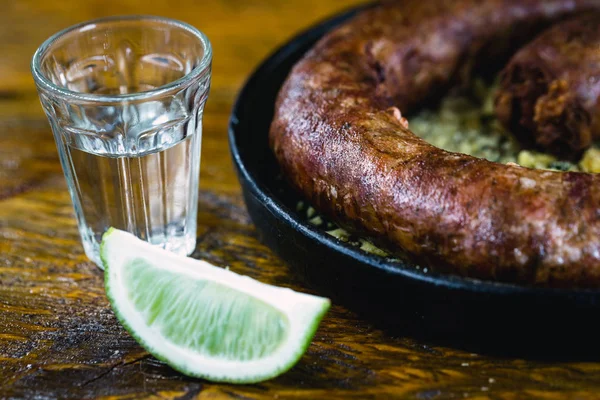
(549,91)
(340,142)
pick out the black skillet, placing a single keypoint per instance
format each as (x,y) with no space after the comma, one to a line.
(481,315)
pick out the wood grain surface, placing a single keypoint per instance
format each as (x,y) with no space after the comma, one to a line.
(58,335)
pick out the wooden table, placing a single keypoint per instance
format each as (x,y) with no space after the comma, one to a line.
(58,335)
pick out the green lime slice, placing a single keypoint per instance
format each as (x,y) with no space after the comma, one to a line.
(202,320)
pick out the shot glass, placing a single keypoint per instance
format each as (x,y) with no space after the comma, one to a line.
(125,97)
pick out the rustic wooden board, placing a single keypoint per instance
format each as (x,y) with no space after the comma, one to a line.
(58,336)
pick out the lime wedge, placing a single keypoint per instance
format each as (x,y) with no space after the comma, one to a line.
(202,320)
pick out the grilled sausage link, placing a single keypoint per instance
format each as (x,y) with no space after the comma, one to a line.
(339,139)
(549,91)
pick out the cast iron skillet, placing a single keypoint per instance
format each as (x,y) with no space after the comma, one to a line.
(482,315)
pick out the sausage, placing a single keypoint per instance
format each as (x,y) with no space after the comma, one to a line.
(549,91)
(340,141)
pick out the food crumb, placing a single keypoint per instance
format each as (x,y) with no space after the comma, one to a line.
(340,234)
(465,364)
(590,161)
(316,221)
(369,247)
(491,380)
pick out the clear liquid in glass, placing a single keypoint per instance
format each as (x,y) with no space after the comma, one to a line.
(151,195)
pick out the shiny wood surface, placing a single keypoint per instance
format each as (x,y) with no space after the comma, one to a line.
(58,335)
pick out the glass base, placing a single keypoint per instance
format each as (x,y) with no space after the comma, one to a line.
(183,245)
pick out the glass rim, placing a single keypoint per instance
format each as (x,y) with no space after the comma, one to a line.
(42,81)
